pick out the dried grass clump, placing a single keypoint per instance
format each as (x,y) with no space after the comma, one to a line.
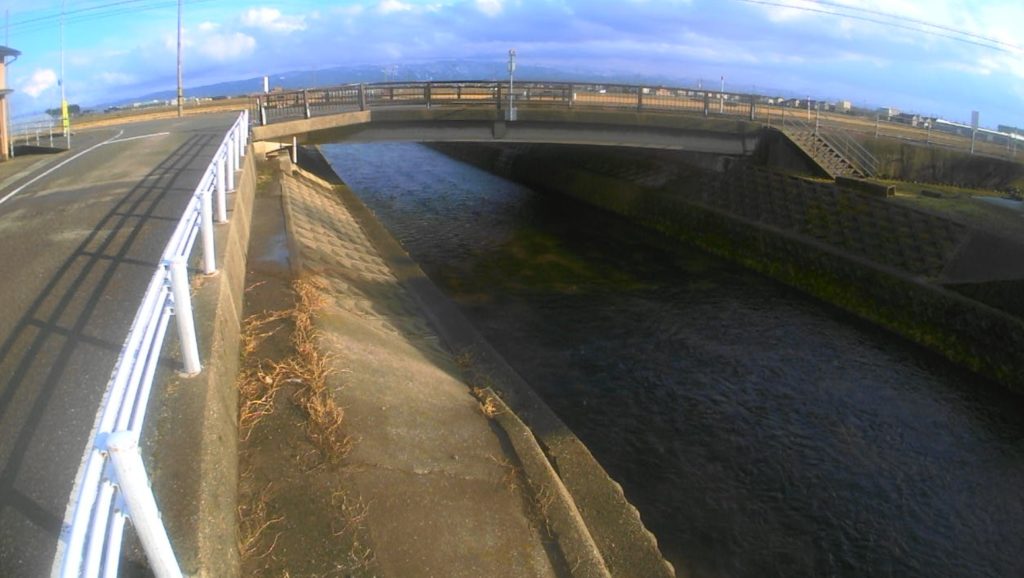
(253,520)
(488,406)
(307,368)
(311,367)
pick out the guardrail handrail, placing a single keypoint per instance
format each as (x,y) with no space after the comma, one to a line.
(111,486)
(853,151)
(287,105)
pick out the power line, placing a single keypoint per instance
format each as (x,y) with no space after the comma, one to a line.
(93,13)
(956,35)
(923,23)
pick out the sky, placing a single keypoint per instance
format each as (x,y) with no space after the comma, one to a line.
(934,57)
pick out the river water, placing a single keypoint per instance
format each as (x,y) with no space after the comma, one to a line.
(759,432)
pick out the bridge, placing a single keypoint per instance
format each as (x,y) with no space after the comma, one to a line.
(725,123)
(480,111)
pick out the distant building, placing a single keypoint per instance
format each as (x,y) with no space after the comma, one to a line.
(5,129)
(888,112)
(844,106)
(1011,129)
(907,118)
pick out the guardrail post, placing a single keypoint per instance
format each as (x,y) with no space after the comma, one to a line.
(572,95)
(142,511)
(229,159)
(222,209)
(362,97)
(305,102)
(498,103)
(243,136)
(639,99)
(706,103)
(183,315)
(753,101)
(206,231)
(426,94)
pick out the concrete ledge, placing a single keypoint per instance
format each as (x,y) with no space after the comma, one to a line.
(195,443)
(872,188)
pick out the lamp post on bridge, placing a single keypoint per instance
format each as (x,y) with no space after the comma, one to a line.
(511,75)
(721,97)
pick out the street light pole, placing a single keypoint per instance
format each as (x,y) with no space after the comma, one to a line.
(511,75)
(721,97)
(181,91)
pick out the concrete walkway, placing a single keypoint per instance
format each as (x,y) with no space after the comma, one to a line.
(444,495)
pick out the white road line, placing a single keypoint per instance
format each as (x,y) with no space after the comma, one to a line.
(55,167)
(137,137)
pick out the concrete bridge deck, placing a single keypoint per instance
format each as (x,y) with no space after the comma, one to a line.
(80,236)
(453,123)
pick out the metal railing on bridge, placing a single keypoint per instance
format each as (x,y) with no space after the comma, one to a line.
(111,486)
(291,105)
(276,106)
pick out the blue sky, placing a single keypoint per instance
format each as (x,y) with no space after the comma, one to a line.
(128,47)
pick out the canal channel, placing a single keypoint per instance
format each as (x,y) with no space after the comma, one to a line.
(758,431)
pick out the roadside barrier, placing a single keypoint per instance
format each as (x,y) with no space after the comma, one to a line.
(112,486)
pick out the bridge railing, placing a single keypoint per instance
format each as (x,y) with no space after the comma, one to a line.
(111,486)
(277,106)
(273,107)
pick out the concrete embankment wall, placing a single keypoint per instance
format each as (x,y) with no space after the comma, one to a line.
(933,164)
(816,250)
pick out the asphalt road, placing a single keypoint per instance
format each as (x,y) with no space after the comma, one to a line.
(78,245)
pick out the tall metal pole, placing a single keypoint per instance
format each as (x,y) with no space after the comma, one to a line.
(181,90)
(65,120)
(511,75)
(721,98)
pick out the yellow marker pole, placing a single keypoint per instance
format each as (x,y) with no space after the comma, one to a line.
(65,120)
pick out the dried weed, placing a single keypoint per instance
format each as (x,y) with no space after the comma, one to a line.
(253,520)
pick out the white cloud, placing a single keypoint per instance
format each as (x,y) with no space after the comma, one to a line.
(272,20)
(389,6)
(41,80)
(226,47)
(208,26)
(115,78)
(490,7)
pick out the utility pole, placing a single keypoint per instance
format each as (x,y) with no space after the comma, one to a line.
(181,90)
(511,74)
(65,119)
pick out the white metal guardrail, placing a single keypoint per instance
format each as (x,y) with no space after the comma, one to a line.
(112,486)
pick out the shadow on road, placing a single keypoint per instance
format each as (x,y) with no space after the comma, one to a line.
(55,363)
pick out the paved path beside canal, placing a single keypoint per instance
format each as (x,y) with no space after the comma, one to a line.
(443,494)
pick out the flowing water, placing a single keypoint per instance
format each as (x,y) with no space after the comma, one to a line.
(759,432)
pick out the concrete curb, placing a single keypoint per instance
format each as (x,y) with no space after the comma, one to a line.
(195,471)
(598,531)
